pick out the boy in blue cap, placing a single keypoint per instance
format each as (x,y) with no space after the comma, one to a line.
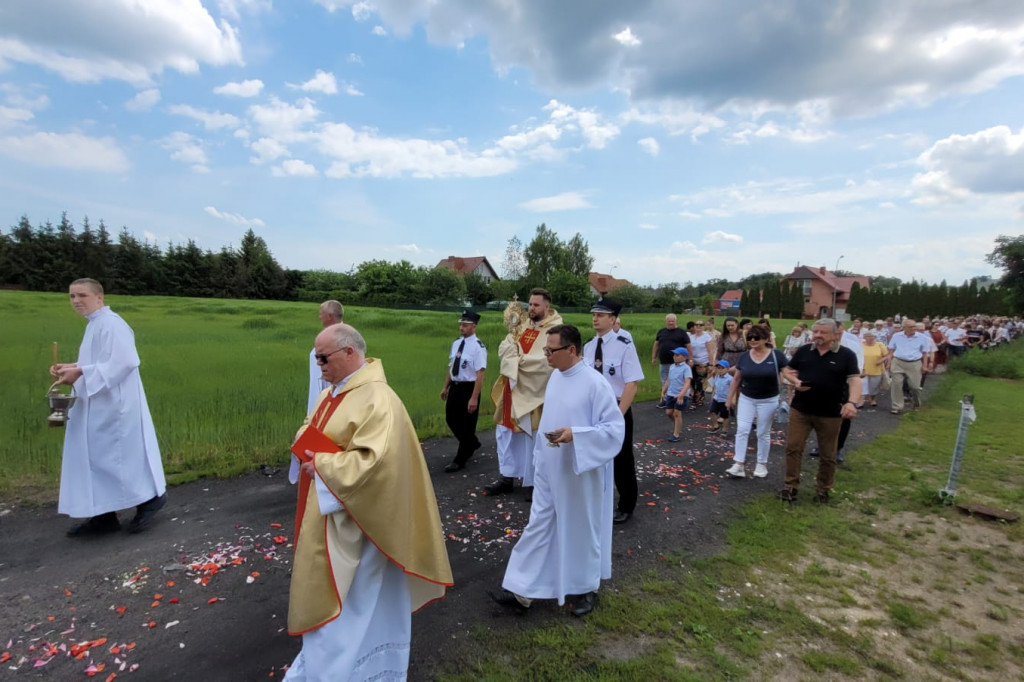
(720,384)
(675,392)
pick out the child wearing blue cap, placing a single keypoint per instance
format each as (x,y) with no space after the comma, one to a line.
(720,384)
(675,393)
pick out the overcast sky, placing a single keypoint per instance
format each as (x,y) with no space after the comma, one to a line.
(683,140)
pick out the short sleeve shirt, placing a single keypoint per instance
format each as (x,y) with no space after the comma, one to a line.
(825,376)
(474,358)
(760,380)
(620,362)
(677,376)
(668,340)
(700,348)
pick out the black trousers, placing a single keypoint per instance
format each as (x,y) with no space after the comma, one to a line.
(460,421)
(844,431)
(625,469)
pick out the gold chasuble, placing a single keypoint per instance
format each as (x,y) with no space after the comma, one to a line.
(378,474)
(523,364)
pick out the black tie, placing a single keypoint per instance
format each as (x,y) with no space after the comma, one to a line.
(458,358)
(599,357)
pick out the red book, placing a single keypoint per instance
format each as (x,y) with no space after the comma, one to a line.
(314,440)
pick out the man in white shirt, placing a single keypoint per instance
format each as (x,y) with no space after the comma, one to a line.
(907,351)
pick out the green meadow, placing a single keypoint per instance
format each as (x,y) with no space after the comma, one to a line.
(226,380)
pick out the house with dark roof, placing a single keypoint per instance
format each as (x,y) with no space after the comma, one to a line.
(464,266)
(825,294)
(604,285)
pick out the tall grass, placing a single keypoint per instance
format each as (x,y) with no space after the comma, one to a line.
(226,380)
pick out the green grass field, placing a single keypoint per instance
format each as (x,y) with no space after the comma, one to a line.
(226,380)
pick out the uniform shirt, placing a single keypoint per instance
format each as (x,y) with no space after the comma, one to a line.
(825,377)
(474,357)
(908,348)
(621,364)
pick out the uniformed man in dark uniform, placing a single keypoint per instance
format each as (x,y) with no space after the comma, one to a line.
(463,382)
(614,356)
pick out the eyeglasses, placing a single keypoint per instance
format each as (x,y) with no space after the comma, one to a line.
(321,359)
(548,351)
(699,324)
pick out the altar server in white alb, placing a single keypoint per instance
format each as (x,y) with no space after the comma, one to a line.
(566,548)
(331,312)
(111,458)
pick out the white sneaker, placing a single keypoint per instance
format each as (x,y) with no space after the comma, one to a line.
(760,471)
(736,471)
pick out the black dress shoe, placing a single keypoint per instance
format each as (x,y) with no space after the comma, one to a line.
(452,467)
(582,604)
(500,487)
(97,525)
(145,513)
(508,600)
(621,517)
(814,453)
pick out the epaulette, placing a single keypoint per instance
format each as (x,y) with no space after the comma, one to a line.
(481,344)
(623,339)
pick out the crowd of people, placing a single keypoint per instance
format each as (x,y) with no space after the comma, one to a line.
(369,547)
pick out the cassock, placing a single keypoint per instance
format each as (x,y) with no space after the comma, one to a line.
(566,547)
(518,397)
(369,547)
(111,459)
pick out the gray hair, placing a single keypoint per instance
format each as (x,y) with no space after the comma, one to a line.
(346,336)
(826,322)
(333,308)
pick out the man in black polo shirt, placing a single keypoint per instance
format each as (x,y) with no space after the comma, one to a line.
(828,388)
(668,338)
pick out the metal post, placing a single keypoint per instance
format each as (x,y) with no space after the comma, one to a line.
(967,415)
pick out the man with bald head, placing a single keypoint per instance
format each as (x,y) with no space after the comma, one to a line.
(331,312)
(369,548)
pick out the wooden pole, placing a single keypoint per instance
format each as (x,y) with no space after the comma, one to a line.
(55,352)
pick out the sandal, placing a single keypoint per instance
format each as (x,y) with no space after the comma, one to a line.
(897,411)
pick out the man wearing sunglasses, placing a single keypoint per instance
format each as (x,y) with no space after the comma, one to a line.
(369,547)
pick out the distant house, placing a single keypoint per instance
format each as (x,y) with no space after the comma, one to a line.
(729,302)
(464,266)
(604,285)
(825,294)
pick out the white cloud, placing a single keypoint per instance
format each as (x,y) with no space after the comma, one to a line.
(267,149)
(787,196)
(284,121)
(73,39)
(233,9)
(594,131)
(143,101)
(647,226)
(718,236)
(353,58)
(411,248)
(566,201)
(676,119)
(649,145)
(361,11)
(186,149)
(625,37)
(364,153)
(13,115)
(294,167)
(66,150)
(990,161)
(234,218)
(323,82)
(351,90)
(379,31)
(211,120)
(246,88)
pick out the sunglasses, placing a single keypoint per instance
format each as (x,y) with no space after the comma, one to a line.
(321,359)
(548,351)
(755,337)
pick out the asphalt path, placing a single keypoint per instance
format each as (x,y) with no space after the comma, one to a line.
(203,594)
